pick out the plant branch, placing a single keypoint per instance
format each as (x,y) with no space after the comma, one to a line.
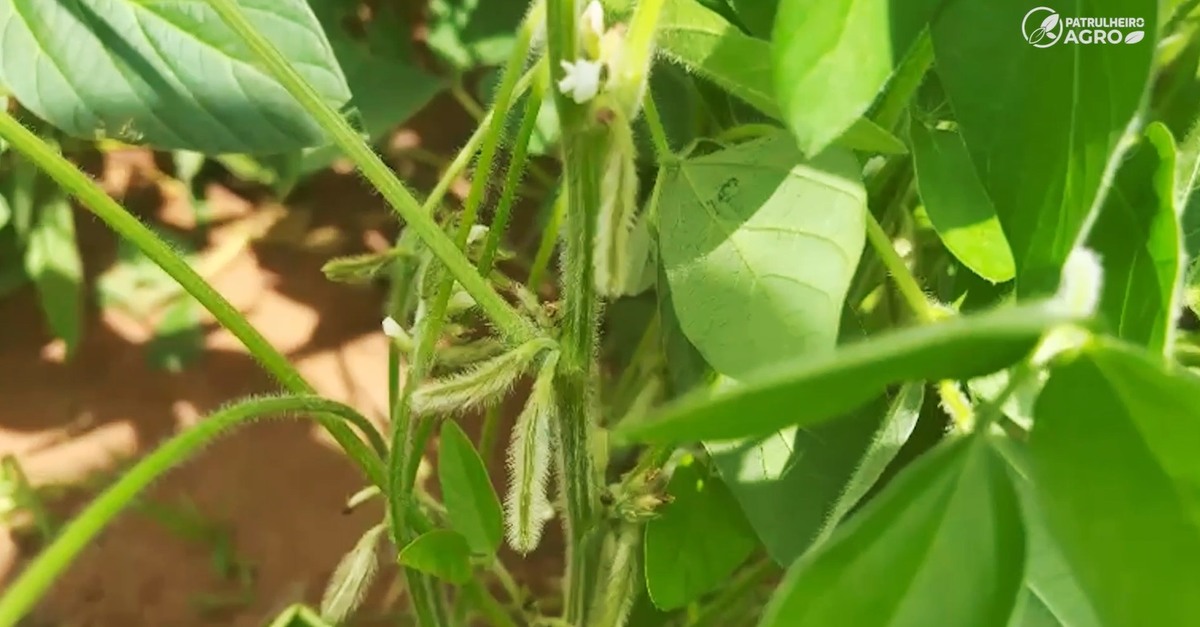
(903,277)
(510,323)
(662,146)
(116,217)
(21,596)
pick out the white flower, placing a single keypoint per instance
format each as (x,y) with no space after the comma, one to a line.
(391,328)
(582,80)
(592,22)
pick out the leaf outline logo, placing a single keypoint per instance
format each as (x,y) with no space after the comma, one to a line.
(1048,30)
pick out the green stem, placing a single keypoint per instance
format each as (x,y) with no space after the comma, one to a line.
(903,277)
(510,323)
(662,146)
(492,609)
(39,575)
(541,261)
(583,160)
(98,202)
(512,181)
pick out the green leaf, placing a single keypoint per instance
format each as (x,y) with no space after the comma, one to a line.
(682,560)
(442,553)
(942,545)
(1052,596)
(796,484)
(1039,134)
(472,33)
(759,249)
(757,15)
(386,84)
(957,204)
(471,503)
(890,436)
(867,136)
(1138,239)
(817,388)
(851,44)
(707,44)
(52,261)
(178,339)
(1114,455)
(169,74)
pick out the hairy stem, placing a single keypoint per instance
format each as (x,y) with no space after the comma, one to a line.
(116,217)
(39,575)
(545,251)
(913,295)
(658,134)
(510,323)
(512,181)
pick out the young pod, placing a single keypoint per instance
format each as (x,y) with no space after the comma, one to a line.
(527,505)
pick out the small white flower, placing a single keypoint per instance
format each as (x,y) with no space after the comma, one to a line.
(592,22)
(582,80)
(392,329)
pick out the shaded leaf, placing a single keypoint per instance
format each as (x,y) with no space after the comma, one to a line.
(1114,455)
(52,261)
(442,553)
(682,560)
(942,545)
(794,485)
(472,33)
(471,503)
(169,74)
(178,338)
(386,85)
(1138,239)
(1052,596)
(1040,145)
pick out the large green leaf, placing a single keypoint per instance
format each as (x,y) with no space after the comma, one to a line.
(1041,124)
(957,204)
(796,484)
(1114,456)
(471,502)
(759,248)
(833,57)
(1138,239)
(169,74)
(1051,595)
(817,388)
(707,44)
(942,545)
(52,261)
(682,560)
